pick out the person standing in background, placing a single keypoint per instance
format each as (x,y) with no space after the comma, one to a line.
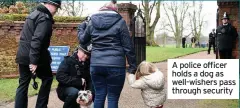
(211,41)
(183,42)
(33,57)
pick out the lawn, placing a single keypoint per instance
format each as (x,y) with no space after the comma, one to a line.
(158,54)
(220,103)
(8,89)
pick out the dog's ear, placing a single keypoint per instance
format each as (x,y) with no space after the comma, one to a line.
(89,92)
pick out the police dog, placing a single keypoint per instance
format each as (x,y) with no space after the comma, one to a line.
(84,96)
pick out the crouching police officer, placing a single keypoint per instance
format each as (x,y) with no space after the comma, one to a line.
(73,75)
(226,38)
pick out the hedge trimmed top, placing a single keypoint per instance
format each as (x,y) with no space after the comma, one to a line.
(22,17)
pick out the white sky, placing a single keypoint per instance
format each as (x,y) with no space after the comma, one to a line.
(209,9)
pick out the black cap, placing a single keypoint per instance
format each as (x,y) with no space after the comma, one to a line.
(86,48)
(225,16)
(57,3)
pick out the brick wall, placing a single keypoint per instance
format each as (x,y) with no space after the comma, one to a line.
(127,11)
(232,8)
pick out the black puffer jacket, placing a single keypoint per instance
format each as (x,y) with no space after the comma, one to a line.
(70,74)
(111,41)
(35,38)
(212,37)
(226,37)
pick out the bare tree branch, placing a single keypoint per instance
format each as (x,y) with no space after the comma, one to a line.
(157,15)
(152,6)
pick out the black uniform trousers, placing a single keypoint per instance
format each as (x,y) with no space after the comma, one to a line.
(225,54)
(211,44)
(43,72)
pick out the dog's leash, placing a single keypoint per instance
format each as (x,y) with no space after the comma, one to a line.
(34,84)
(85,85)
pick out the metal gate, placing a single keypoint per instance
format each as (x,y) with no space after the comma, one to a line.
(139,36)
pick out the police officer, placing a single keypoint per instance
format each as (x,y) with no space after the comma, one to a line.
(211,41)
(73,75)
(226,38)
(33,56)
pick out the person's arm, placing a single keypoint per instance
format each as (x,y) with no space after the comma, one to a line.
(127,45)
(83,33)
(64,78)
(137,84)
(40,32)
(235,36)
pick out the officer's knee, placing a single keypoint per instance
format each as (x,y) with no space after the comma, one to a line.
(72,95)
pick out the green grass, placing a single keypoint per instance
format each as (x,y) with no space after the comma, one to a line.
(219,103)
(8,89)
(158,54)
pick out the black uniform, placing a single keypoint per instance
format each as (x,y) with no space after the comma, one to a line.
(33,49)
(69,76)
(183,42)
(226,39)
(211,42)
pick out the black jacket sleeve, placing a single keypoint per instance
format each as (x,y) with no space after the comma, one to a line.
(127,45)
(64,78)
(235,36)
(42,28)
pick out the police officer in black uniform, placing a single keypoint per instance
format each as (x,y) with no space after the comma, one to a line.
(226,38)
(33,56)
(73,75)
(211,42)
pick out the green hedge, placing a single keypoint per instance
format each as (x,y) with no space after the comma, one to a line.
(22,17)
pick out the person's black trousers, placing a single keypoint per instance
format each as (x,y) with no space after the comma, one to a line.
(183,45)
(211,44)
(225,54)
(44,72)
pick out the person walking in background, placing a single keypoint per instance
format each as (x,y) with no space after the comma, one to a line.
(33,56)
(211,41)
(226,38)
(151,82)
(111,43)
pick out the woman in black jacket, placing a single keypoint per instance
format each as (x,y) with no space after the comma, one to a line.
(73,75)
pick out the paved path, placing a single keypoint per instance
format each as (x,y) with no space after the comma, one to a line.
(131,98)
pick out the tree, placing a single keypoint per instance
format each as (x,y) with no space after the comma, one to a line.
(196,20)
(147,11)
(71,8)
(176,11)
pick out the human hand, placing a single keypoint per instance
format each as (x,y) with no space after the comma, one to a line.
(33,68)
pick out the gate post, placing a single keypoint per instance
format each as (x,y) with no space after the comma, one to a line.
(127,10)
